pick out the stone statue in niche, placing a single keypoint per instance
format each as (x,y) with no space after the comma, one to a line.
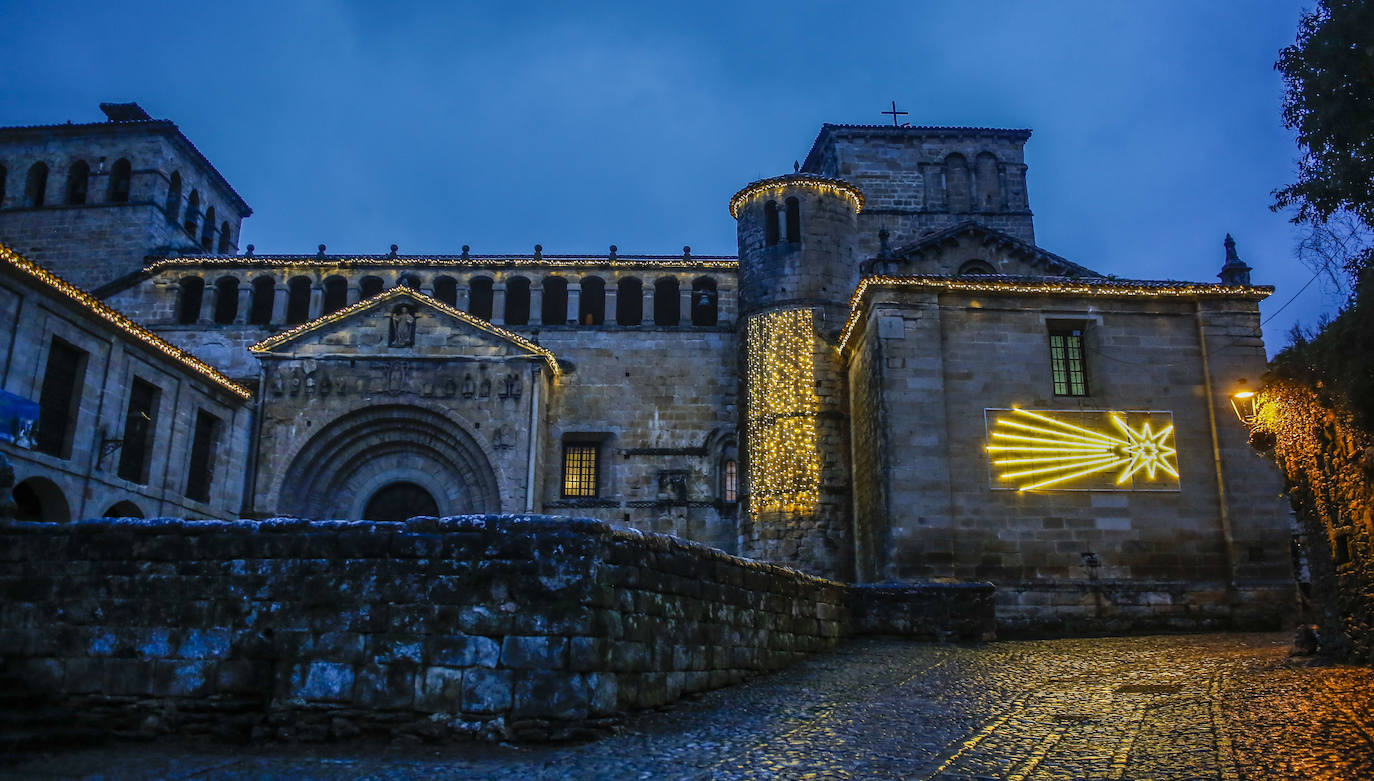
(403,326)
(503,439)
(278,387)
(297,380)
(484,390)
(396,378)
(672,485)
(469,387)
(323,384)
(450,387)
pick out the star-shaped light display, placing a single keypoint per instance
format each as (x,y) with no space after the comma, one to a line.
(1040,451)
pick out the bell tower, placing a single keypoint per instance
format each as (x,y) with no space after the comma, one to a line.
(797,270)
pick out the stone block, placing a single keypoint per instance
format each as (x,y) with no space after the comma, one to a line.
(385,686)
(534,652)
(439,689)
(487,691)
(323,681)
(460,650)
(550,694)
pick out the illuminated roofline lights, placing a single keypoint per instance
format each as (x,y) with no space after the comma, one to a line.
(818,183)
(1095,288)
(270,342)
(702,263)
(120,321)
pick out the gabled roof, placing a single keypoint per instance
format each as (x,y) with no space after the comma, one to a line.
(829,132)
(164,127)
(83,300)
(273,342)
(994,238)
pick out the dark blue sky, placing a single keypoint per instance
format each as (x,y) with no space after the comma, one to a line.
(578,125)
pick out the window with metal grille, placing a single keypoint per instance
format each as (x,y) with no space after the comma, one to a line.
(579,469)
(1066,361)
(731,488)
(204,443)
(60,398)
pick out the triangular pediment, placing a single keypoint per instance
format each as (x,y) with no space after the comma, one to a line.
(971,247)
(402,323)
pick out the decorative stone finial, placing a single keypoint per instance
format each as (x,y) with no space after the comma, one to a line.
(465,251)
(1233,271)
(686,251)
(393,250)
(796,167)
(614,249)
(321,252)
(884,251)
(539,252)
(249,252)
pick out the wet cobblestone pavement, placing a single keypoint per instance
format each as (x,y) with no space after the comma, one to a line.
(1167,707)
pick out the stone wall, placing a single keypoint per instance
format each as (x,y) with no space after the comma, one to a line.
(496,626)
(1329,462)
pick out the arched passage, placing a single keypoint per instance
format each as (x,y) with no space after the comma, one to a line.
(39,499)
(349,462)
(399,501)
(123,509)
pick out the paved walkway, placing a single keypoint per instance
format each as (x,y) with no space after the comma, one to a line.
(1178,707)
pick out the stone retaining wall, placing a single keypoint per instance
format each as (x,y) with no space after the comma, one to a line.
(524,627)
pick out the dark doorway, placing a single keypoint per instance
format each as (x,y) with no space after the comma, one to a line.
(399,501)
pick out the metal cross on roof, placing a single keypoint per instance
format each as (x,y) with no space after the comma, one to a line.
(894,112)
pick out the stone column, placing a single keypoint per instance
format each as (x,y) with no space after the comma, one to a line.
(575,302)
(316,301)
(684,298)
(646,315)
(498,303)
(355,292)
(608,316)
(536,304)
(245,303)
(279,304)
(208,294)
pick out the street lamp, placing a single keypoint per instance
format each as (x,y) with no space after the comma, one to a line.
(1243,402)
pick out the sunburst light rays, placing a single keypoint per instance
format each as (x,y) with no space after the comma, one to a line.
(1047,450)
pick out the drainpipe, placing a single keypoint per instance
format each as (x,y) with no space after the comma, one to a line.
(250,485)
(1228,537)
(534,440)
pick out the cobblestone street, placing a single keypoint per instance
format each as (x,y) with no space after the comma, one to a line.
(1164,707)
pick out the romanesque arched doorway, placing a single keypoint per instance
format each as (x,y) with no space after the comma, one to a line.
(393,460)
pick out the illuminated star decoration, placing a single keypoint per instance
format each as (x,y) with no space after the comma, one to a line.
(1041,451)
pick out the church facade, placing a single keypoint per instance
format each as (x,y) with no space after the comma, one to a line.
(890,382)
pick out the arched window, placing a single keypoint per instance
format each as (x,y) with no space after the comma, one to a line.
(517,301)
(479,297)
(36,185)
(629,302)
(226,300)
(370,286)
(704,298)
(226,247)
(123,509)
(667,309)
(192,294)
(78,179)
(554,308)
(297,300)
(264,295)
(793,220)
(989,183)
(446,290)
(591,306)
(729,474)
(39,499)
(956,183)
(975,267)
(121,179)
(770,223)
(173,207)
(207,237)
(192,212)
(409,280)
(335,294)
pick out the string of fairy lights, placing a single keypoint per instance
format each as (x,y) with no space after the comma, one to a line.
(126,326)
(713,263)
(778,183)
(403,292)
(1096,288)
(783,441)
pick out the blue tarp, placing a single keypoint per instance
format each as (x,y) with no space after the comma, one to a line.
(18,419)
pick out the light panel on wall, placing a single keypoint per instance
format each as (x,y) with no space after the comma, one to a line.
(1078,450)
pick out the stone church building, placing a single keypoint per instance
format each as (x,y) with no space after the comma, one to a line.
(891,381)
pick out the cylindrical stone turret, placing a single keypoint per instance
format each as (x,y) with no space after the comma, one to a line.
(797,271)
